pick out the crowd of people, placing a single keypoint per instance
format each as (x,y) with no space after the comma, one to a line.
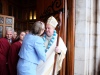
(33,51)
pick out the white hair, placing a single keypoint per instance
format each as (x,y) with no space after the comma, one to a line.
(10,29)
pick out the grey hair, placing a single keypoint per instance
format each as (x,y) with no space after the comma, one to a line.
(37,27)
(10,29)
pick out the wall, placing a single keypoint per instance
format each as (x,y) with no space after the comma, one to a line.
(97,61)
(48,8)
(87,38)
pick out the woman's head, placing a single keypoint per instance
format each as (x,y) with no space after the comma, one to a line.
(15,35)
(21,36)
(38,28)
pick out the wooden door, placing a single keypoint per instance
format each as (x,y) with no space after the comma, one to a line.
(53,7)
(5,21)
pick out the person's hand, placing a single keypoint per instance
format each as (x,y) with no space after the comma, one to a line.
(57,49)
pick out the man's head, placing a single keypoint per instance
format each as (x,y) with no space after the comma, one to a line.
(50,26)
(9,33)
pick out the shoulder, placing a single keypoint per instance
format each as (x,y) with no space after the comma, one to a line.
(35,37)
(16,43)
(30,36)
(39,38)
(3,40)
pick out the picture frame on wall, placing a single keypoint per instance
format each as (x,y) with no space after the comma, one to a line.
(1,20)
(9,21)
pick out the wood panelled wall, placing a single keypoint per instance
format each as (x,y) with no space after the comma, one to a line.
(20,10)
(48,8)
(4,7)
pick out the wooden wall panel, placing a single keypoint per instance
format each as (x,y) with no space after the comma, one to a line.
(40,8)
(4,7)
(48,8)
(70,37)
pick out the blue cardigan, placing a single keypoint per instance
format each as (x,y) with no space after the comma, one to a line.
(32,49)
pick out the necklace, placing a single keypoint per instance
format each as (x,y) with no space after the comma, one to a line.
(51,40)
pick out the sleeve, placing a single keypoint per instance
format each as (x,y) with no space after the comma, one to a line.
(13,54)
(40,49)
(60,57)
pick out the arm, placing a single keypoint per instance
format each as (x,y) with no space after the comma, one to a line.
(63,49)
(40,49)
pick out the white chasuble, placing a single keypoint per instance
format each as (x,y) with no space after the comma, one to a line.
(46,68)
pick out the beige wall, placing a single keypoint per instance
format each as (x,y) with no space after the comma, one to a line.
(87,38)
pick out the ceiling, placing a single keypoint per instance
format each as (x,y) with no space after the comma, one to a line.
(24,3)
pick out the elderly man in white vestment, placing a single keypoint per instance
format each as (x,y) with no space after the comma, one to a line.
(50,39)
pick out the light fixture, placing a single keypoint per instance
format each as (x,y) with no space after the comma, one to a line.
(34,16)
(30,15)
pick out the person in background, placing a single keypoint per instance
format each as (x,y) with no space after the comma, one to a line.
(4,49)
(9,34)
(13,54)
(27,31)
(32,50)
(50,40)
(15,37)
